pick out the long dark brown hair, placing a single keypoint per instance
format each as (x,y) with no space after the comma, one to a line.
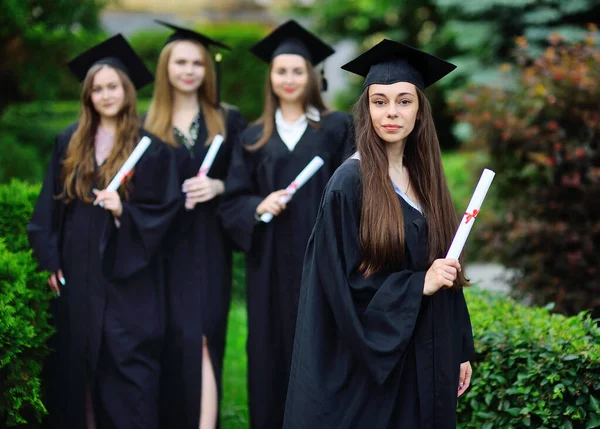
(311,97)
(79,169)
(160,115)
(382,223)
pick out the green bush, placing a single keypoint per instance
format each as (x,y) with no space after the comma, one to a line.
(24,306)
(543,137)
(241,72)
(533,369)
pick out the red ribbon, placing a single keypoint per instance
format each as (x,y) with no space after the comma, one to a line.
(471,215)
(293,186)
(203,172)
(126,176)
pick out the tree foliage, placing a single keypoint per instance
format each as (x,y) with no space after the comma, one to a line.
(37,38)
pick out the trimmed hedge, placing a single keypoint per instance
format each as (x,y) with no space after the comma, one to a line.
(24,311)
(533,369)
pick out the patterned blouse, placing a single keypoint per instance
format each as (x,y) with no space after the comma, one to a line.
(180,138)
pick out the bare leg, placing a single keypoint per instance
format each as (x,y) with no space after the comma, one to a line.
(90,420)
(209,400)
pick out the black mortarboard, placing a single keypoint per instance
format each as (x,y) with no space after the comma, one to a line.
(187,34)
(389,62)
(117,53)
(292,38)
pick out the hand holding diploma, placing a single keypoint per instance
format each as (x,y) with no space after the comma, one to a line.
(286,195)
(473,210)
(202,188)
(126,170)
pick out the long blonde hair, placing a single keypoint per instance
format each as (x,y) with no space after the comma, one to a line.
(311,97)
(78,172)
(160,116)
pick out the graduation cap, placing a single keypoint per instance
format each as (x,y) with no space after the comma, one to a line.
(181,33)
(389,62)
(114,52)
(292,38)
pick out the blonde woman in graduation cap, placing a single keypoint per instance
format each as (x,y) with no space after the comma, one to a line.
(294,128)
(384,337)
(187,113)
(103,250)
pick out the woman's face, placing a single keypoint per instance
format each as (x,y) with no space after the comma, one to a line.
(108,94)
(394,110)
(186,67)
(289,77)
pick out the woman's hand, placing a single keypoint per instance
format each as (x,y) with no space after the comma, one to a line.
(272,203)
(464,380)
(110,200)
(201,189)
(442,273)
(54,279)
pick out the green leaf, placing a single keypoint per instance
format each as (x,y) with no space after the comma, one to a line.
(594,404)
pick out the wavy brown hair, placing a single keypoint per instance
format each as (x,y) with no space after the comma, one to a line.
(79,168)
(311,97)
(382,223)
(160,116)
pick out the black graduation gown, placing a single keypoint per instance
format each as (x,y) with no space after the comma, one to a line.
(372,353)
(110,316)
(275,251)
(198,292)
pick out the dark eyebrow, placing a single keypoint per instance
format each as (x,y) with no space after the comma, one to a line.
(399,95)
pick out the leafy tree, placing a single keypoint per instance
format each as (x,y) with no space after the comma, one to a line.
(37,38)
(476,35)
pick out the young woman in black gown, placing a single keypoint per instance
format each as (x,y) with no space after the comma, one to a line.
(186,113)
(103,250)
(294,128)
(384,337)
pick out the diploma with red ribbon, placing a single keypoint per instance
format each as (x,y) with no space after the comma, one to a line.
(470,215)
(127,168)
(208,160)
(308,172)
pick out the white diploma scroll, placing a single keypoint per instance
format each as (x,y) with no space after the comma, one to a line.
(129,165)
(473,210)
(208,160)
(304,176)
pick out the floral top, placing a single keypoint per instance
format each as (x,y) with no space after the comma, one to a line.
(180,138)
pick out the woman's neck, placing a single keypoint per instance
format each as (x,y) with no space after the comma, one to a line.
(395,152)
(108,124)
(291,112)
(185,101)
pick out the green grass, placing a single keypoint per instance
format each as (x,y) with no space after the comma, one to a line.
(234,408)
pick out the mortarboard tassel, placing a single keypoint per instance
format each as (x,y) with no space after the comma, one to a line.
(218,59)
(323,79)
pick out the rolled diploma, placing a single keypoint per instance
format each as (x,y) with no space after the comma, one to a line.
(210,155)
(460,238)
(311,168)
(129,164)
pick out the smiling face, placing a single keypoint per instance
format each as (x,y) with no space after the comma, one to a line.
(107,93)
(289,78)
(186,67)
(393,110)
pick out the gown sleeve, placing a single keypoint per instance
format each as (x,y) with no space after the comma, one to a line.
(468,346)
(240,199)
(44,226)
(147,214)
(376,315)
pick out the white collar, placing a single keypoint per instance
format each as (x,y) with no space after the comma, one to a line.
(311,113)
